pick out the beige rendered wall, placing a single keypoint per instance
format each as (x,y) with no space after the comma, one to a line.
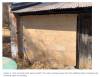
(51,38)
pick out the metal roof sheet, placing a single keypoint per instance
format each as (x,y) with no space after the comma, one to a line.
(22,5)
(54,5)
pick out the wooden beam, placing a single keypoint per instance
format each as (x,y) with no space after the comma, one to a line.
(57,11)
(20,38)
(84,41)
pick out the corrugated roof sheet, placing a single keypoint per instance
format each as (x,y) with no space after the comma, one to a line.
(54,5)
